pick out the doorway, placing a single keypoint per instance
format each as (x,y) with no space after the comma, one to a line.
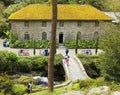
(61,37)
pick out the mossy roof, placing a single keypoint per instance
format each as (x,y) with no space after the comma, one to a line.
(65,12)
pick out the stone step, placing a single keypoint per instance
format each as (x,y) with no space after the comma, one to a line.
(61,46)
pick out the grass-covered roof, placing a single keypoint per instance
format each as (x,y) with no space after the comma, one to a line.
(65,12)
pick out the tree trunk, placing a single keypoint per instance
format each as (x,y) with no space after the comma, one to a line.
(52,47)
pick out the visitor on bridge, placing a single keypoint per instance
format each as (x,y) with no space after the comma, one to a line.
(67,60)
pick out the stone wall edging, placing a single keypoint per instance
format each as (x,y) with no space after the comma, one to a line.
(81,66)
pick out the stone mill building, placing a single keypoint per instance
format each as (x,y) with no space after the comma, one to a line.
(34,22)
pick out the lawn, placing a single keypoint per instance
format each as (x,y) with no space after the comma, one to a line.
(56,91)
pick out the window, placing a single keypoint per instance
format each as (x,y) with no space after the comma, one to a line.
(27,36)
(79,23)
(44,36)
(26,23)
(44,23)
(96,23)
(61,24)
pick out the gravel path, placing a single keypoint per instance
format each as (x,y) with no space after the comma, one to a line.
(73,93)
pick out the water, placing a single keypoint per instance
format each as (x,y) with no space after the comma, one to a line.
(42,81)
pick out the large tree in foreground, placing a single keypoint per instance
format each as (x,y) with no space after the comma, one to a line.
(52,46)
(111,58)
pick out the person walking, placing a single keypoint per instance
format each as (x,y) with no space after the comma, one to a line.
(66,51)
(67,60)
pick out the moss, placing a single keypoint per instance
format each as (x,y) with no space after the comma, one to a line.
(65,12)
(24,79)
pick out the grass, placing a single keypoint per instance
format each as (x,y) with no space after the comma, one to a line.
(56,91)
(82,85)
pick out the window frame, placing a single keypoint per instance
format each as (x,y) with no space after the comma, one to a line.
(79,23)
(26,23)
(61,24)
(26,36)
(44,24)
(97,23)
(44,36)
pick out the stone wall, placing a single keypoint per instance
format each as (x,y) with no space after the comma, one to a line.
(68,31)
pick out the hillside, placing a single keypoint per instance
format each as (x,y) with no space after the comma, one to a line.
(2,8)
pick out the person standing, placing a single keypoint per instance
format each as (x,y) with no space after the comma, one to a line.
(29,87)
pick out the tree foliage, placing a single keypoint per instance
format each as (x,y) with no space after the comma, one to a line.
(13,8)
(8,61)
(35,1)
(5,84)
(111,5)
(97,3)
(105,5)
(110,59)
(62,1)
(7,2)
(3,28)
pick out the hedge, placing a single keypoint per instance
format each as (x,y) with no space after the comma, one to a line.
(10,62)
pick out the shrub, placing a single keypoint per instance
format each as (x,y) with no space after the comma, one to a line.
(24,80)
(30,44)
(76,86)
(13,8)
(81,44)
(91,64)
(13,37)
(114,86)
(58,59)
(3,61)
(5,84)
(24,64)
(88,83)
(3,28)
(39,62)
(12,61)
(18,44)
(19,89)
(8,60)
(27,64)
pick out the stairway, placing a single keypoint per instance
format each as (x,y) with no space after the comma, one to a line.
(61,46)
